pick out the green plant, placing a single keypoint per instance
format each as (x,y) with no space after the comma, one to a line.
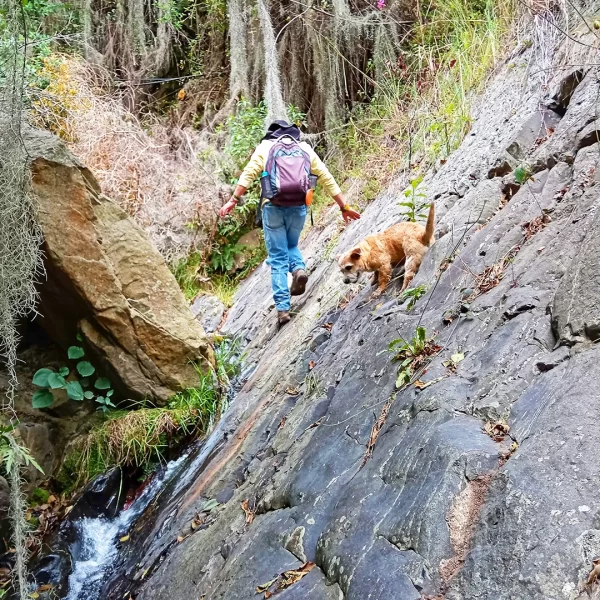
(245,129)
(223,257)
(522,174)
(13,454)
(413,354)
(140,438)
(75,382)
(414,200)
(413,295)
(40,496)
(313,385)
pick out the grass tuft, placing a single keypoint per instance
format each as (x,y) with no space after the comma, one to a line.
(141,438)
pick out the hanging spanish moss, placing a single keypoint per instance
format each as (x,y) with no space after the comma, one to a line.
(238,73)
(320,57)
(273,90)
(20,256)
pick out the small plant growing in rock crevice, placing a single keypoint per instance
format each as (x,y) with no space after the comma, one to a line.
(414,354)
(413,295)
(76,382)
(414,200)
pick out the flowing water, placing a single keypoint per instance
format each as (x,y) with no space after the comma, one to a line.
(98,561)
(98,539)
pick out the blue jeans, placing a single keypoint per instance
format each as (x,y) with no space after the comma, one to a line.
(282,227)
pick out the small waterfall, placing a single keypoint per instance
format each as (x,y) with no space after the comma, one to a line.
(98,539)
(273,91)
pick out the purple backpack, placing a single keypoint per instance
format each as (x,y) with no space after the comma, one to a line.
(286,178)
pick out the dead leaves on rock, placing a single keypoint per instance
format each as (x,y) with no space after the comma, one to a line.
(250,512)
(498,430)
(284,580)
(491,276)
(376,429)
(202,520)
(533,227)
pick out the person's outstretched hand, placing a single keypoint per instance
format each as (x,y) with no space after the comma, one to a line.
(350,215)
(227,208)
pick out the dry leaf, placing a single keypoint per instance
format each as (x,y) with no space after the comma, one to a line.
(327,326)
(247,511)
(51,499)
(285,580)
(311,365)
(124,539)
(282,423)
(457,357)
(265,586)
(181,95)
(68,510)
(180,539)
(45,587)
(34,595)
(497,430)
(292,391)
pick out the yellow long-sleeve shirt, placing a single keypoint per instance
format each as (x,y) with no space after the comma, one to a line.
(258,162)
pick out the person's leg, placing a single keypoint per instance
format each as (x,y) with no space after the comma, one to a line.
(275,232)
(295,217)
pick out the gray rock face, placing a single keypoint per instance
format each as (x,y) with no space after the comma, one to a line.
(209,310)
(576,310)
(404,493)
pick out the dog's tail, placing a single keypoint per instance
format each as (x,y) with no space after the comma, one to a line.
(427,237)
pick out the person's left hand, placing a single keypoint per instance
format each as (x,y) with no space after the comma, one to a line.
(227,208)
(350,215)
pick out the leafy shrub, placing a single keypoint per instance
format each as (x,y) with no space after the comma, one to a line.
(76,382)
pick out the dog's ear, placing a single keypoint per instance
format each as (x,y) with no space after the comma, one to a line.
(355,253)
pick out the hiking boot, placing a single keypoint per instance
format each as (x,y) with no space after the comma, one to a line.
(299,279)
(283,317)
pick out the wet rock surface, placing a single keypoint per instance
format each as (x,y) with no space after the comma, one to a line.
(479,483)
(209,310)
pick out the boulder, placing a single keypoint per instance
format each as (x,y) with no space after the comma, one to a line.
(250,242)
(106,282)
(209,310)
(102,496)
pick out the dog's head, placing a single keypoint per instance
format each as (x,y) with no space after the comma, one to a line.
(350,265)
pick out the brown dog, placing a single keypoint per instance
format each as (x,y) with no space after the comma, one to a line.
(405,242)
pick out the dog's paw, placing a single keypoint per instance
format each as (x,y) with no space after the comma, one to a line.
(376,294)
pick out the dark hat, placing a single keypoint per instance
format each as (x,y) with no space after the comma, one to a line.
(280,128)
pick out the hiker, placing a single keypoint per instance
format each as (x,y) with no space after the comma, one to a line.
(289,171)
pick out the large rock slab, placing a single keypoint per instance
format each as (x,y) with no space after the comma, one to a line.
(105,281)
(576,308)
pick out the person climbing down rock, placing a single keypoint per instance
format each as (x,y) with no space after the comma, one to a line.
(289,171)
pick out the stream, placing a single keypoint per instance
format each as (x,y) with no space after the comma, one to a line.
(104,552)
(97,542)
